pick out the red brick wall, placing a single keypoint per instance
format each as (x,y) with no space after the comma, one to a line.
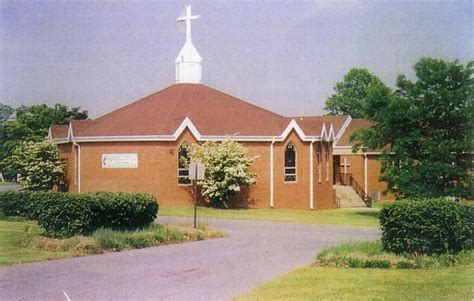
(67,152)
(373,178)
(323,194)
(157,173)
(297,195)
(357,169)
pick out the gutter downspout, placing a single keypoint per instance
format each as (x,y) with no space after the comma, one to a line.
(311,184)
(365,174)
(271,173)
(78,158)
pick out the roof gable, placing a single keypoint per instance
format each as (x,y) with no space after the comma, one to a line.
(354,125)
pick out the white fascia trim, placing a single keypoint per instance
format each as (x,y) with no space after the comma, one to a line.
(293,125)
(348,147)
(125,138)
(187,123)
(342,130)
(343,147)
(70,136)
(50,136)
(60,141)
(331,133)
(324,133)
(241,138)
(200,138)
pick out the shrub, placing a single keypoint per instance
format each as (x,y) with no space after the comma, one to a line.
(14,203)
(149,236)
(135,210)
(427,227)
(227,169)
(377,263)
(66,214)
(406,264)
(110,239)
(38,165)
(371,255)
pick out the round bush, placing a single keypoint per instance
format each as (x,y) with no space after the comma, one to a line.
(427,227)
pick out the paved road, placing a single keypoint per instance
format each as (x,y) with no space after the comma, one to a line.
(217,269)
(10,187)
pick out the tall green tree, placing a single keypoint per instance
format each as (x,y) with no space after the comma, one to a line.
(32,124)
(5,112)
(425,131)
(352,95)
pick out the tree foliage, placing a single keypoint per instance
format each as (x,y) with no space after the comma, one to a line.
(5,112)
(354,93)
(227,167)
(32,124)
(425,130)
(38,164)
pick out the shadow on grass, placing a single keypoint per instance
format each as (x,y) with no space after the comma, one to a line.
(371,213)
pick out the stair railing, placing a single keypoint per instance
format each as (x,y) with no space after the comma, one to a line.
(347,179)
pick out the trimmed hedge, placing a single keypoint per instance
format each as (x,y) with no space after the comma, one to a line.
(66,214)
(427,227)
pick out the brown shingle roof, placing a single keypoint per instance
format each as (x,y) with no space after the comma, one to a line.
(79,126)
(212,112)
(354,125)
(59,131)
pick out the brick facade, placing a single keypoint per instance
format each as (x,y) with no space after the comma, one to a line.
(356,167)
(157,172)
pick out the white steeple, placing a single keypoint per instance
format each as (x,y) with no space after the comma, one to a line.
(188,61)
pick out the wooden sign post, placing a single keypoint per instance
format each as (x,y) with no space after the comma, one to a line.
(196,173)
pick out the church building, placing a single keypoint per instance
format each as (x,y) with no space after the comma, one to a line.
(138,147)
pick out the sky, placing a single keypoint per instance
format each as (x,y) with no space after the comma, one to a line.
(285,56)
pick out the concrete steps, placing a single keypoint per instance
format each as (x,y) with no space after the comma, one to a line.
(348,198)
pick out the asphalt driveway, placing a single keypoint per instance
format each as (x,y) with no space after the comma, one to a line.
(217,269)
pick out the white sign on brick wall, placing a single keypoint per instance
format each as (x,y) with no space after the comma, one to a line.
(119,160)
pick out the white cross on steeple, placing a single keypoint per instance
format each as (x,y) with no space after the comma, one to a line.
(187,18)
(188,61)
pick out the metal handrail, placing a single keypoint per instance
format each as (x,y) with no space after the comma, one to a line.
(347,177)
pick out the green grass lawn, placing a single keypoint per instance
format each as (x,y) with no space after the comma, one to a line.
(442,277)
(318,283)
(366,217)
(21,242)
(7,183)
(13,231)
(380,204)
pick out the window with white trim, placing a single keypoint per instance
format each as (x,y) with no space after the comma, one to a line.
(183,162)
(290,163)
(320,149)
(327,160)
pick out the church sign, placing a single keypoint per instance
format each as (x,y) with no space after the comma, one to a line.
(119,160)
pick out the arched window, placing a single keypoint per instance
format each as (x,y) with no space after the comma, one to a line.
(290,163)
(320,149)
(183,162)
(327,160)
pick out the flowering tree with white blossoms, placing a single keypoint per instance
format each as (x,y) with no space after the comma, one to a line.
(227,166)
(38,164)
